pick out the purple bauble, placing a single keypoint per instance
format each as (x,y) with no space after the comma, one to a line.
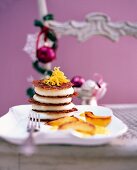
(77,81)
(45,54)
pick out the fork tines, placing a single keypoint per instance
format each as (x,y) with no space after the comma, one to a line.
(34,122)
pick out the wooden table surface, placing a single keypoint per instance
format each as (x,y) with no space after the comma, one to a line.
(121,154)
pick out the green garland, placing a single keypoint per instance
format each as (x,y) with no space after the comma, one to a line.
(38,23)
(40,69)
(48,17)
(50,35)
(30,92)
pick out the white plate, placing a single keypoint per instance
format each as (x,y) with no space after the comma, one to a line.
(13,128)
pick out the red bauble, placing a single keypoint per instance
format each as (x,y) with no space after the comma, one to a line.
(77,81)
(45,54)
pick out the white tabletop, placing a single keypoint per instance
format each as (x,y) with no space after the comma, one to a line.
(120,154)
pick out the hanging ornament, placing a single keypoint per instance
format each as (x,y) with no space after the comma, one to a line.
(42,48)
(45,54)
(77,81)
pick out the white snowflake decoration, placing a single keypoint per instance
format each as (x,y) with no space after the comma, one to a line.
(30,46)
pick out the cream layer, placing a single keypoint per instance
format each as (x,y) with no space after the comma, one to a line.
(52,108)
(54,116)
(43,99)
(54,92)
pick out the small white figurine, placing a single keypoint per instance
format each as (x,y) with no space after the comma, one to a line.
(91,91)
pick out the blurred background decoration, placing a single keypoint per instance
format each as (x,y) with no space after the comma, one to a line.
(115,61)
(95,24)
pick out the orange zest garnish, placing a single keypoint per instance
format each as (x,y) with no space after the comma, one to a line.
(57,78)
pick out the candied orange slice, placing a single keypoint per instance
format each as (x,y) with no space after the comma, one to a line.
(80,126)
(62,120)
(97,120)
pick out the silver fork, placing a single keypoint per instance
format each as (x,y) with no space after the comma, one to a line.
(28,147)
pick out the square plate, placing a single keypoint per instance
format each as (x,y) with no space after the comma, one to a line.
(13,128)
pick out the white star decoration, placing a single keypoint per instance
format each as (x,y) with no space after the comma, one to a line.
(30,46)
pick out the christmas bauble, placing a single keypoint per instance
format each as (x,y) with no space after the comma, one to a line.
(45,54)
(77,81)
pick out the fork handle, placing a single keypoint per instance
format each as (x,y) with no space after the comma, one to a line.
(28,147)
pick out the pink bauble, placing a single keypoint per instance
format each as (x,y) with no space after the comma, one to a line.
(77,81)
(45,54)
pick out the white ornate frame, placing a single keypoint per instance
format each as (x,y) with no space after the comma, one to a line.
(95,24)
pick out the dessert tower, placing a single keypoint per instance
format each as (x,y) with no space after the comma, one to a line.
(53,96)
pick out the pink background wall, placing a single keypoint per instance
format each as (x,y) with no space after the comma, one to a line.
(117,62)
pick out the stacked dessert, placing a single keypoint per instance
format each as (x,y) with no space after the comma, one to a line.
(53,96)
